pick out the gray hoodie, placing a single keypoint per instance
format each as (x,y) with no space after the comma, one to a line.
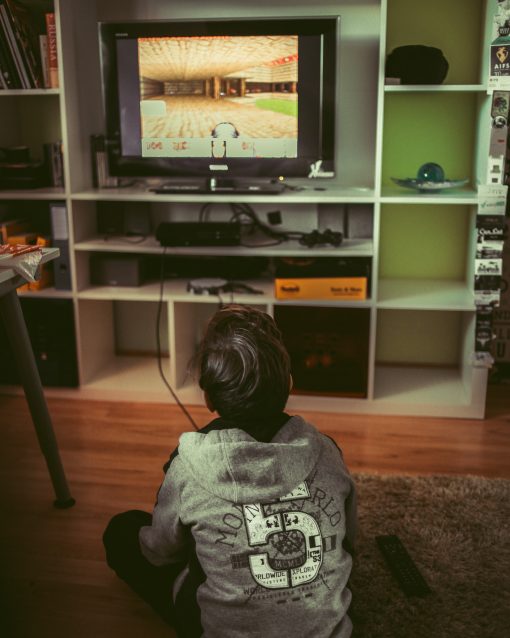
(268,521)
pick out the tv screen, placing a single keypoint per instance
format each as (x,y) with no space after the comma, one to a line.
(220,98)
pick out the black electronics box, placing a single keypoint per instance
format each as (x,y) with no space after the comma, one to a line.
(50,325)
(117,270)
(199,233)
(21,176)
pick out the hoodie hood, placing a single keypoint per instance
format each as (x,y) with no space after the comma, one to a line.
(234,466)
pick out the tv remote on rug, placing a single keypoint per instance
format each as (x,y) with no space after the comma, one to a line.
(402,566)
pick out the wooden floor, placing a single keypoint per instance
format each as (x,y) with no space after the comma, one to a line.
(53,580)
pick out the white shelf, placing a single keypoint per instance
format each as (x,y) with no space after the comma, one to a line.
(34,193)
(396,195)
(327,194)
(425,294)
(46,293)
(435,88)
(349,247)
(28,92)
(176,290)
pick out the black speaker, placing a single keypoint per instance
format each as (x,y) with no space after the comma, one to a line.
(137,219)
(110,218)
(117,270)
(123,218)
(50,325)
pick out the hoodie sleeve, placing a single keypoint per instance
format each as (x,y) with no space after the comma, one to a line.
(166,540)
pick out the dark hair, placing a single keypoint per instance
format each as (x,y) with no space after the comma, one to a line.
(243,365)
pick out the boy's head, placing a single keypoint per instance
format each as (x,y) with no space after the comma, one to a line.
(243,366)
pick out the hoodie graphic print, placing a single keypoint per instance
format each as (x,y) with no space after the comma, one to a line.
(268,521)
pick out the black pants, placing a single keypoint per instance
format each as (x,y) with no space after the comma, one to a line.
(123,555)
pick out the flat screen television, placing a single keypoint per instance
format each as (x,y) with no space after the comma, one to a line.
(222,99)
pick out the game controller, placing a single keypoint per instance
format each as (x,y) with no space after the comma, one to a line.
(316,238)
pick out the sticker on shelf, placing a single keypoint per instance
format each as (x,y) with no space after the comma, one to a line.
(489,251)
(482,360)
(499,82)
(489,267)
(489,191)
(492,205)
(490,228)
(483,329)
(487,298)
(496,170)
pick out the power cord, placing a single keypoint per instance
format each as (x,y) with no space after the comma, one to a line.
(314,238)
(158,342)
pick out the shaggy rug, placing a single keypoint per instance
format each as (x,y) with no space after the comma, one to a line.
(457,530)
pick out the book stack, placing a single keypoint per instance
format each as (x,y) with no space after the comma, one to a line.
(54,163)
(28,47)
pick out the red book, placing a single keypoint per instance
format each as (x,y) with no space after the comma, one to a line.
(51,32)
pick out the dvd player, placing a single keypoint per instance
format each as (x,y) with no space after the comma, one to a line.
(199,233)
(219,189)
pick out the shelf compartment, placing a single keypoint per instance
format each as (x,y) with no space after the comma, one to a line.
(99,227)
(328,348)
(419,241)
(424,364)
(118,340)
(442,127)
(431,391)
(32,122)
(424,337)
(430,23)
(425,294)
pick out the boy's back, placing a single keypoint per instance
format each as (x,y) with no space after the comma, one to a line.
(268,521)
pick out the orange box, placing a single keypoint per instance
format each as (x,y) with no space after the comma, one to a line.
(346,288)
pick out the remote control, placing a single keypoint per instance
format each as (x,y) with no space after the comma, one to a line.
(402,566)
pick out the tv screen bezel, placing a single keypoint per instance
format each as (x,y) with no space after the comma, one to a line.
(137,166)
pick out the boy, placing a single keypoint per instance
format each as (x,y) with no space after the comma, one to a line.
(247,536)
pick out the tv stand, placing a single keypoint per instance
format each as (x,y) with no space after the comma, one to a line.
(216,185)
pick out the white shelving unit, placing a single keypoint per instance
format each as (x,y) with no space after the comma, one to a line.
(420,310)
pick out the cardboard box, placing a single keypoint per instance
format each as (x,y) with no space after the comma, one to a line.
(338,288)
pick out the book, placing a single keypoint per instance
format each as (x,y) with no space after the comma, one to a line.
(51,32)
(25,34)
(12,45)
(53,161)
(7,65)
(43,52)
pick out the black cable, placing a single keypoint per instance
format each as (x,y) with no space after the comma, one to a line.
(158,341)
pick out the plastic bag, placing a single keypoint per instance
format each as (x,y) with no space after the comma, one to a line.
(23,259)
